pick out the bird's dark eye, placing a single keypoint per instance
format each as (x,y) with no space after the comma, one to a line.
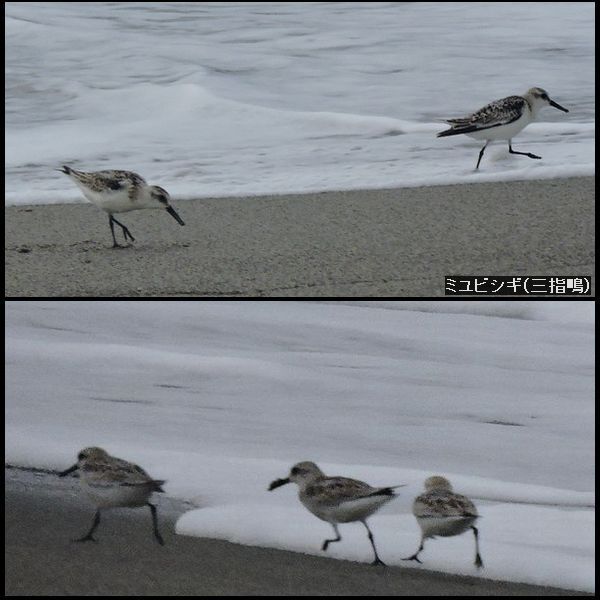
(295,471)
(80,456)
(545,96)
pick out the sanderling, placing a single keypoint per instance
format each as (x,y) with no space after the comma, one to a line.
(439,511)
(112,482)
(337,499)
(120,191)
(502,119)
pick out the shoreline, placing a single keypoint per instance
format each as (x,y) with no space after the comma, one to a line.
(43,513)
(374,243)
(584,174)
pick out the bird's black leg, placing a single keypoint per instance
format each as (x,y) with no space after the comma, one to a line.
(112,230)
(337,539)
(126,232)
(155,525)
(89,537)
(415,556)
(377,560)
(481,155)
(478,561)
(523,153)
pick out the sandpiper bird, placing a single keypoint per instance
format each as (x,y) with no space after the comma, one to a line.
(120,191)
(502,119)
(440,511)
(337,499)
(112,482)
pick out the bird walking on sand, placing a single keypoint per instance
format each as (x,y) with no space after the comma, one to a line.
(440,511)
(112,482)
(502,119)
(120,191)
(337,499)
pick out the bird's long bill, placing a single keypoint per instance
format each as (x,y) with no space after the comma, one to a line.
(278,483)
(172,212)
(69,470)
(556,105)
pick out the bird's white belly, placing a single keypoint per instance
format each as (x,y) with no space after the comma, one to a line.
(346,512)
(444,526)
(106,496)
(111,201)
(504,132)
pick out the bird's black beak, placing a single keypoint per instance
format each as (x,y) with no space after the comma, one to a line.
(278,483)
(172,212)
(69,470)
(556,105)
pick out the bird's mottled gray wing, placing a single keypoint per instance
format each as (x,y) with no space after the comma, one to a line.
(117,180)
(443,504)
(335,490)
(495,114)
(116,470)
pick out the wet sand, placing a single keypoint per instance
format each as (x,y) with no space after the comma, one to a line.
(386,243)
(43,513)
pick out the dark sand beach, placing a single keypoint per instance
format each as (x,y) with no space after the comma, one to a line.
(390,243)
(43,513)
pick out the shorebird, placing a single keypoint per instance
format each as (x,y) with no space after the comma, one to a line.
(440,511)
(502,119)
(337,499)
(120,191)
(112,482)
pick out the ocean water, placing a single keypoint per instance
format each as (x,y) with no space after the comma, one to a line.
(217,99)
